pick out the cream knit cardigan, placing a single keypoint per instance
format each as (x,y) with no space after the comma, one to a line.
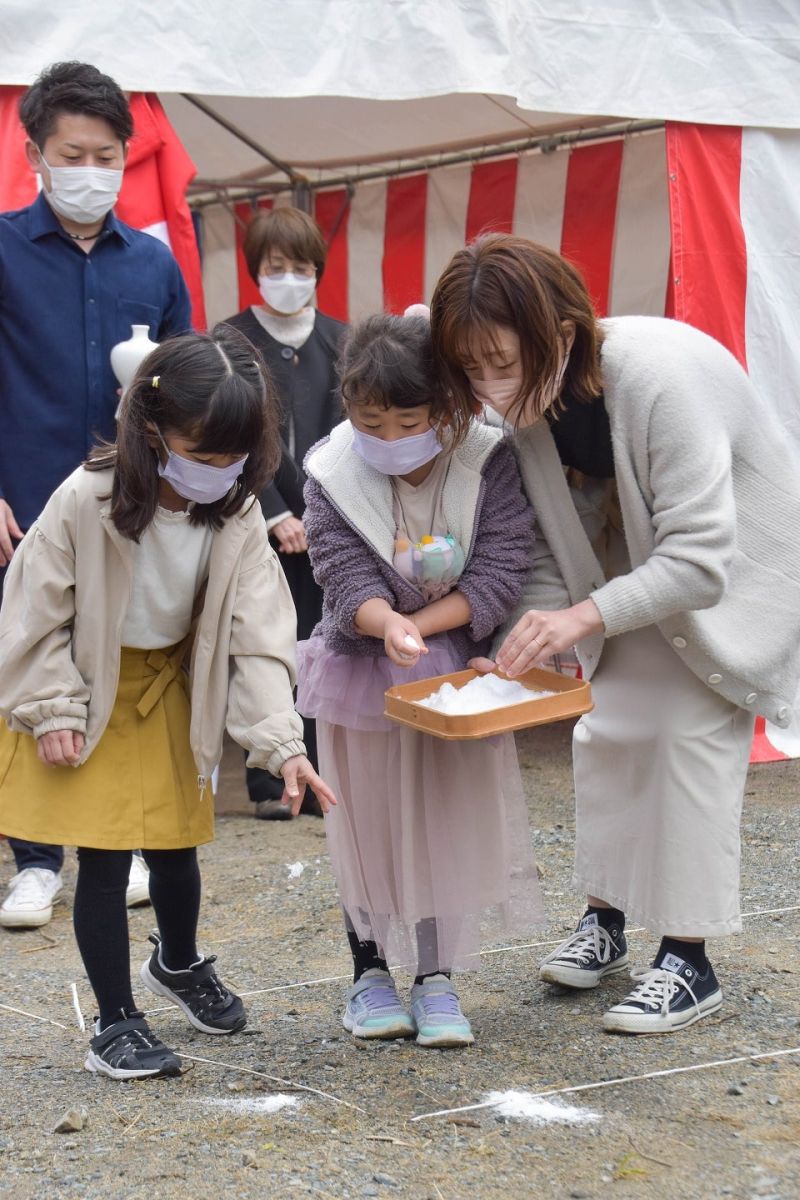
(710,498)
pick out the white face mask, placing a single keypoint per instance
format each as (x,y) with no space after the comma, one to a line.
(83,194)
(400,456)
(500,394)
(287,293)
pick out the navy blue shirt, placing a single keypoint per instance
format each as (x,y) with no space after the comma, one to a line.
(61,311)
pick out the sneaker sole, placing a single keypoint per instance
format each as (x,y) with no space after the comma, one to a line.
(97,1066)
(445,1041)
(642,1023)
(399,1030)
(12,920)
(159,989)
(574,977)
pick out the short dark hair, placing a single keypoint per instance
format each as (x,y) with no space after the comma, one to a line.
(73,87)
(388,361)
(293,232)
(213,388)
(502,280)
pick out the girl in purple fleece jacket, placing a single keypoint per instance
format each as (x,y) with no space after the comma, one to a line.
(420,535)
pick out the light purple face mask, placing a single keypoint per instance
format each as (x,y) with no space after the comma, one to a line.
(198,481)
(500,394)
(400,456)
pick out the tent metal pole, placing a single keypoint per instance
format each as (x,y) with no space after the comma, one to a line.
(545,144)
(295,177)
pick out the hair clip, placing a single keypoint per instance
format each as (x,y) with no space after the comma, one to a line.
(155,381)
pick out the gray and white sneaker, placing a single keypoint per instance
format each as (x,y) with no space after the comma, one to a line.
(586,956)
(374,1010)
(669,996)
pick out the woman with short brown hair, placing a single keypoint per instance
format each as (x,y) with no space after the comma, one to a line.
(667,508)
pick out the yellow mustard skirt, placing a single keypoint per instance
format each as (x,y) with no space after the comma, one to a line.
(138,788)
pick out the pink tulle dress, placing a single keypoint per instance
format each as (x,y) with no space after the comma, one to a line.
(430,841)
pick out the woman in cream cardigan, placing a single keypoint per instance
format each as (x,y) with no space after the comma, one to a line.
(668,507)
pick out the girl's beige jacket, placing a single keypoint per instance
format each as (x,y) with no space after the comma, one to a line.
(65,597)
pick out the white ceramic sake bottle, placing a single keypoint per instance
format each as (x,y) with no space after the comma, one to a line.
(126,356)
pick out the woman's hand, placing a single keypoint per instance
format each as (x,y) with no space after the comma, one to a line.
(298,773)
(539,635)
(290,535)
(402,640)
(60,747)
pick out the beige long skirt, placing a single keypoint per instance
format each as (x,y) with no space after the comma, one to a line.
(660,766)
(136,790)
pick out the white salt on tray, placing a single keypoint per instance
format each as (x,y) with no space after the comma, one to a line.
(481,694)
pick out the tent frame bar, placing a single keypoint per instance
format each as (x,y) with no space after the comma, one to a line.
(295,178)
(230,192)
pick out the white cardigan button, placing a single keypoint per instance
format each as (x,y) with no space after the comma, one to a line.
(751,698)
(715,678)
(679,643)
(783,713)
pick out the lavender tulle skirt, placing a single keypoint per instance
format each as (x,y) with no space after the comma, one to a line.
(430,841)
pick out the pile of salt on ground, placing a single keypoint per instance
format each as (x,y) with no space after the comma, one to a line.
(481,694)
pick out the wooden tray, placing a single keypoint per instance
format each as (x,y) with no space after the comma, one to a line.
(572,698)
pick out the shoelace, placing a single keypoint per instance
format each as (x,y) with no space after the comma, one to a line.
(581,945)
(130,1042)
(658,986)
(441,1003)
(28,886)
(378,996)
(210,992)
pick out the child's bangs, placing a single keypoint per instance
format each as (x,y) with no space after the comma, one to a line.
(235,420)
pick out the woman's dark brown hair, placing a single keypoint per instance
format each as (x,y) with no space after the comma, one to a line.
(213,389)
(388,361)
(289,230)
(512,282)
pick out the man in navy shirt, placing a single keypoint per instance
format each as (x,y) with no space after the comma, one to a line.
(73,280)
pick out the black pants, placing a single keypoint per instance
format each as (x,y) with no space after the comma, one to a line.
(101,918)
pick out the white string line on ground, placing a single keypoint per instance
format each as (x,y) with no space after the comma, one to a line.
(604,1083)
(288,987)
(297,1087)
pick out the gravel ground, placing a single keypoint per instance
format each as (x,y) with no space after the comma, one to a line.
(732,1130)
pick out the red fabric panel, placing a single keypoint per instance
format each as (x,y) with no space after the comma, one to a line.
(709,256)
(17,181)
(332,210)
(404,243)
(762,750)
(492,191)
(248,292)
(590,214)
(157,173)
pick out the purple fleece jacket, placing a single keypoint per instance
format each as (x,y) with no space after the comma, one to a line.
(350,571)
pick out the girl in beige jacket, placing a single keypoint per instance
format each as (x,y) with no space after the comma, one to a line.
(153,552)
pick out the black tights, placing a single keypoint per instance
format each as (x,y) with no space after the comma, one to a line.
(100,918)
(367,956)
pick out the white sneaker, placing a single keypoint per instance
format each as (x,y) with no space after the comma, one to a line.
(138,893)
(31,896)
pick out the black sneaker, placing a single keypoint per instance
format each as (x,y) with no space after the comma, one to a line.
(670,996)
(586,956)
(198,991)
(128,1049)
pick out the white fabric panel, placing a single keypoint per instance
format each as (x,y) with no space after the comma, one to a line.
(717,62)
(445,220)
(220,282)
(158,230)
(770,213)
(642,235)
(365,230)
(539,200)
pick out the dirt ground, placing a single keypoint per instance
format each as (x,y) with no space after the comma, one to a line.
(709,1131)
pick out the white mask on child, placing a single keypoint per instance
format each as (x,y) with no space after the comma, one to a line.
(400,456)
(198,481)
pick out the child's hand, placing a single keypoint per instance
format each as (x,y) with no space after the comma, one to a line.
(60,747)
(402,640)
(297,772)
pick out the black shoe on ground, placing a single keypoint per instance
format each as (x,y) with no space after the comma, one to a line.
(128,1049)
(198,991)
(670,996)
(586,956)
(272,810)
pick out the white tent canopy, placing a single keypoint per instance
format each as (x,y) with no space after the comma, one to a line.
(330,84)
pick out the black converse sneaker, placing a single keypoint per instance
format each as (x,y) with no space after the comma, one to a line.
(669,996)
(586,956)
(128,1049)
(198,991)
